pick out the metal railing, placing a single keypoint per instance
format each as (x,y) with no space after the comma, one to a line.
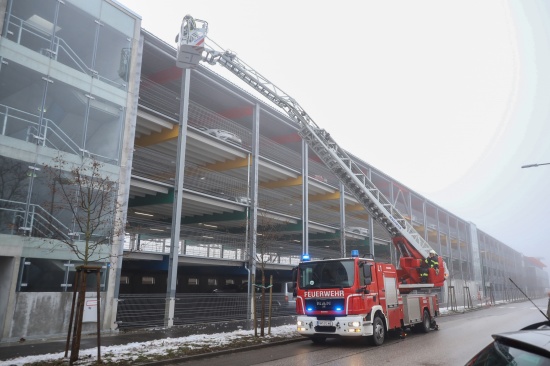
(148,310)
(27,127)
(39,222)
(60,47)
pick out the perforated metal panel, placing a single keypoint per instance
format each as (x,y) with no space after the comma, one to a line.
(412,309)
(391,292)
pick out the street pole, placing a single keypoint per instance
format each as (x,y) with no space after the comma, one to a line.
(483,273)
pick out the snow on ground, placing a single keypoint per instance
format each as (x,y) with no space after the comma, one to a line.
(133,351)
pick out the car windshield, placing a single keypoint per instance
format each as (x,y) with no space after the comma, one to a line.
(326,274)
(499,353)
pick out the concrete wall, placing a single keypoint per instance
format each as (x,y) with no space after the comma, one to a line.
(460,294)
(40,314)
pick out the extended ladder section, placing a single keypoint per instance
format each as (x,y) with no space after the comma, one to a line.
(332,155)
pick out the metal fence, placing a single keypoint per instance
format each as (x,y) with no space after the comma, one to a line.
(148,310)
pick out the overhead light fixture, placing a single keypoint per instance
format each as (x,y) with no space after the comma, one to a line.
(153,229)
(214,226)
(42,24)
(143,213)
(32,171)
(208,237)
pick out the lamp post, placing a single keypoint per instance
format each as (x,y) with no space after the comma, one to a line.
(534,165)
(482,252)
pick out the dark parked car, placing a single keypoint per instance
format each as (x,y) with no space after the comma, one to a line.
(528,346)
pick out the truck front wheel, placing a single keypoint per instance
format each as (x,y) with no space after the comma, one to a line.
(378,331)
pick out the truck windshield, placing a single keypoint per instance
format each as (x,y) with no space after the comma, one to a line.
(326,274)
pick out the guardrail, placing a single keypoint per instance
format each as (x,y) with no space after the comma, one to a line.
(52,47)
(39,222)
(26,126)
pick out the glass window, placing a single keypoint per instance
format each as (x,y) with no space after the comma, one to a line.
(31,24)
(53,275)
(75,38)
(498,353)
(103,130)
(91,7)
(117,18)
(113,48)
(21,97)
(329,274)
(50,214)
(43,275)
(64,117)
(14,185)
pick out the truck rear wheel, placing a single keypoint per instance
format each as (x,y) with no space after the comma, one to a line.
(425,326)
(378,331)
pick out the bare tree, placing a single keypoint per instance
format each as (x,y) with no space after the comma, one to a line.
(85,195)
(268,232)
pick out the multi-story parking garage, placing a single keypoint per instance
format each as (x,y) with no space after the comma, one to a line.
(244,162)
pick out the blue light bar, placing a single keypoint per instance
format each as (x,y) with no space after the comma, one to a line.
(306,258)
(355,253)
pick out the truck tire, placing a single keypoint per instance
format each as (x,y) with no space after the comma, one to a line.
(425,326)
(378,331)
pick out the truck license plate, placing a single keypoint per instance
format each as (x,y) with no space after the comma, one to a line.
(324,323)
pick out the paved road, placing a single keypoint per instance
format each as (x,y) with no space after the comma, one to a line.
(460,337)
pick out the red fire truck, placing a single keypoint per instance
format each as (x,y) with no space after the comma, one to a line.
(358,297)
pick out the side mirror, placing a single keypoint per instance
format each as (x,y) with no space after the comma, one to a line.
(367,275)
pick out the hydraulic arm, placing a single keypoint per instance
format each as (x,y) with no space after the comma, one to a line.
(192,49)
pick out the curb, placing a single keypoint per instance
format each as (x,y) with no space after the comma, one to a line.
(222,352)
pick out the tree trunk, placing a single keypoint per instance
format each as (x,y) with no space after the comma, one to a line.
(262,312)
(78,311)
